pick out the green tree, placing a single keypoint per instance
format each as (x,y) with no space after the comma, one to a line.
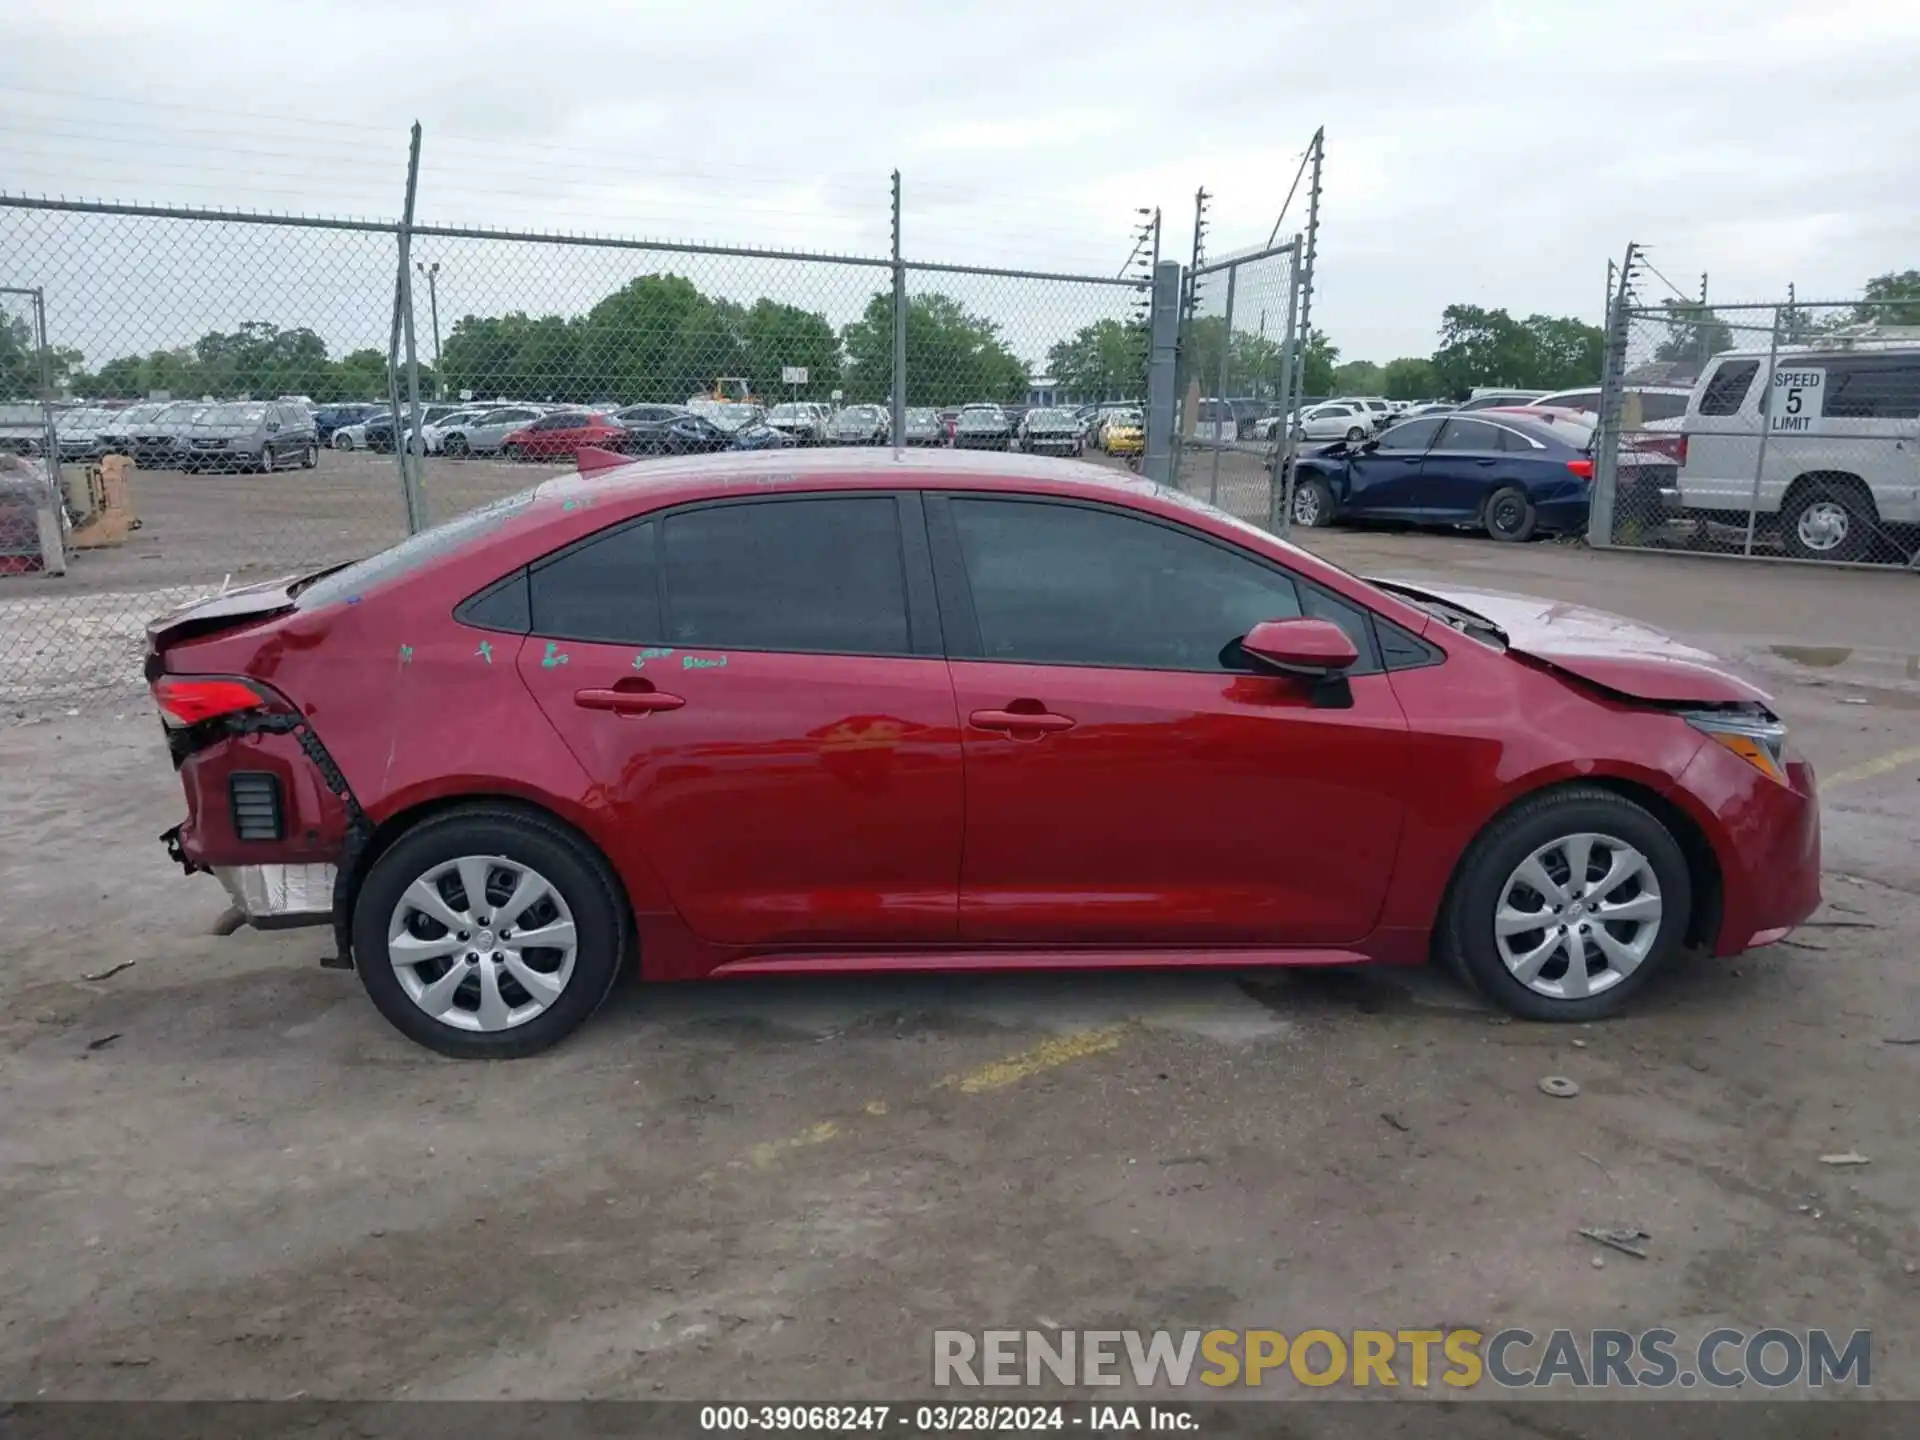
(656,338)
(1566,352)
(1358,377)
(1901,287)
(1694,334)
(360,375)
(1103,361)
(514,355)
(1253,366)
(777,336)
(953,355)
(1319,356)
(1411,377)
(1489,347)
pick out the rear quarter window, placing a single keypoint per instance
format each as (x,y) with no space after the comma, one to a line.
(410,554)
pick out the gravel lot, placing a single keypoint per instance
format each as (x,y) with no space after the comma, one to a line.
(227,1177)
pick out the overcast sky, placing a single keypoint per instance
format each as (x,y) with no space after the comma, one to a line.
(1496,153)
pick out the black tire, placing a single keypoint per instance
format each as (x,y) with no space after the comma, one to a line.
(513,453)
(1509,514)
(265,465)
(309,456)
(1313,505)
(455,447)
(1465,940)
(1829,520)
(574,869)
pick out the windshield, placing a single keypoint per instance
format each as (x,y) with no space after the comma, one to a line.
(861,414)
(182,413)
(353,581)
(733,417)
(923,417)
(83,420)
(1050,417)
(244,414)
(1124,418)
(789,412)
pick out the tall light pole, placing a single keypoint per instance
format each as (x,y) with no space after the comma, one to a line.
(432,272)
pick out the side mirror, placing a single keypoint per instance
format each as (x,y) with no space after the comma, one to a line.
(1313,648)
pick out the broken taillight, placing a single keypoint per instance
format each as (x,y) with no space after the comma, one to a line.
(188,700)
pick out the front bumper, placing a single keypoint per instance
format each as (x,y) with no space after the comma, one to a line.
(1766,837)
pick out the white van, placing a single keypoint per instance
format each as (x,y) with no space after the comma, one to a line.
(1842,451)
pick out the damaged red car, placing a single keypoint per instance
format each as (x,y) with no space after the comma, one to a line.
(844,711)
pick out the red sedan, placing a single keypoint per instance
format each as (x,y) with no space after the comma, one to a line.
(838,712)
(561,436)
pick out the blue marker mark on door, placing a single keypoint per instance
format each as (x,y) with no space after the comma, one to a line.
(701,662)
(651,653)
(552,657)
(406,654)
(485,652)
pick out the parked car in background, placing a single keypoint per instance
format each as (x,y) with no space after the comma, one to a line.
(981,427)
(488,432)
(160,439)
(860,425)
(329,418)
(1052,432)
(1842,455)
(1178,737)
(1215,423)
(1491,399)
(1513,476)
(683,434)
(23,427)
(1374,407)
(804,420)
(1124,433)
(263,435)
(1335,420)
(759,435)
(434,432)
(562,435)
(1642,404)
(81,431)
(117,435)
(924,426)
(1645,473)
(729,415)
(377,430)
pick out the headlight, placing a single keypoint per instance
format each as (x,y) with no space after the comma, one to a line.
(1758,739)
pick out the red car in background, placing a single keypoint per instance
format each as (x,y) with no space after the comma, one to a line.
(838,711)
(562,435)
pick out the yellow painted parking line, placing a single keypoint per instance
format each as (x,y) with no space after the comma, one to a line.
(1047,1055)
(1868,769)
(761,1156)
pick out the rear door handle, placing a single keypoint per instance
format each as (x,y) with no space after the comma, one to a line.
(1019,720)
(627,702)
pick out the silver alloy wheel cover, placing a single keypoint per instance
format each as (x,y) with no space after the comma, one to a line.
(1542,922)
(1823,525)
(1306,505)
(496,947)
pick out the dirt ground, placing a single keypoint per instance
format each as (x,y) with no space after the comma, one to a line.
(226,1176)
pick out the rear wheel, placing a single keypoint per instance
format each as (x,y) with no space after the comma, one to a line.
(1510,514)
(265,463)
(487,934)
(1356,435)
(1567,905)
(309,455)
(455,446)
(342,440)
(512,452)
(1828,520)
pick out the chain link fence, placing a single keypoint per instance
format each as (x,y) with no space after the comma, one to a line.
(1786,431)
(257,370)
(1240,380)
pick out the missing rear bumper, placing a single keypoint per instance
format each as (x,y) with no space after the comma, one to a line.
(279,897)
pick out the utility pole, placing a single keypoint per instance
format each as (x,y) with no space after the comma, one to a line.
(432,272)
(898,408)
(1200,198)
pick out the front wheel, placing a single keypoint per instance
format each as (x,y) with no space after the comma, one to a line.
(1356,435)
(512,452)
(455,447)
(1312,503)
(342,440)
(1567,905)
(487,934)
(1510,514)
(309,456)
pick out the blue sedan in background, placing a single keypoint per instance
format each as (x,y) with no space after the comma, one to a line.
(1513,473)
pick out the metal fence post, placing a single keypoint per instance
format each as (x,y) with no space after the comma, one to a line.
(1280,484)
(1613,373)
(1766,421)
(1220,397)
(406,436)
(1163,352)
(899,407)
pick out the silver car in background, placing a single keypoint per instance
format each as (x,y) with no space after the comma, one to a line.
(261,435)
(484,434)
(860,425)
(81,431)
(924,427)
(802,419)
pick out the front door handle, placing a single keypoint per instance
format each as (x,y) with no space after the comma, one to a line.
(627,702)
(1016,720)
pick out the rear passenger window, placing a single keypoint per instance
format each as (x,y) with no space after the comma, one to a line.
(812,576)
(607,590)
(1872,390)
(1728,388)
